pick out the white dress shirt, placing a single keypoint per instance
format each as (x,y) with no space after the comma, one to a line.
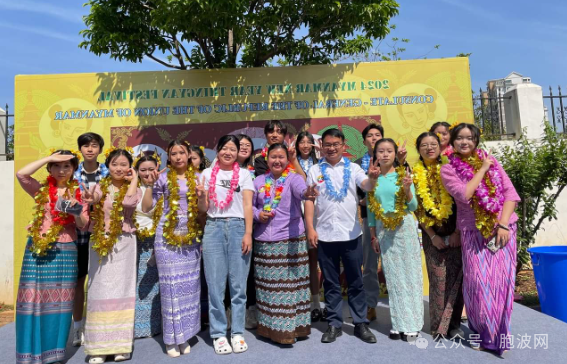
(337,220)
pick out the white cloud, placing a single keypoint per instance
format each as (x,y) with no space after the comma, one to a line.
(42,32)
(66,13)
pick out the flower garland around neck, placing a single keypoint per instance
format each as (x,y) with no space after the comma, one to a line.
(365,163)
(488,198)
(435,202)
(265,152)
(104,240)
(171,219)
(269,203)
(144,233)
(252,171)
(390,220)
(233,185)
(48,194)
(306,164)
(329,185)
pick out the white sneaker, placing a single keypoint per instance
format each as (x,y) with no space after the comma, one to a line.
(78,336)
(251,321)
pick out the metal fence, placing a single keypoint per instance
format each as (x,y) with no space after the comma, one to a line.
(8,135)
(558,111)
(489,115)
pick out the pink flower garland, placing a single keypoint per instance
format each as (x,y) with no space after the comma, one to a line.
(490,204)
(233,185)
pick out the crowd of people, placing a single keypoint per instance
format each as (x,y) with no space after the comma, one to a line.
(246,241)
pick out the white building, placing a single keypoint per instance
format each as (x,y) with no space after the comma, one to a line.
(497,88)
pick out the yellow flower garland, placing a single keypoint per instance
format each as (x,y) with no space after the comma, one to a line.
(432,196)
(484,220)
(394,219)
(104,241)
(171,219)
(144,233)
(41,241)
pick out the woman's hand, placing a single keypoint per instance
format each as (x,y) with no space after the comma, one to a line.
(487,162)
(438,242)
(87,195)
(246,244)
(200,188)
(311,192)
(373,169)
(502,237)
(402,153)
(154,176)
(407,181)
(455,239)
(312,237)
(375,244)
(265,216)
(132,175)
(58,157)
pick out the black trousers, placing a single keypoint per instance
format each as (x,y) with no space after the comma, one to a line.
(330,255)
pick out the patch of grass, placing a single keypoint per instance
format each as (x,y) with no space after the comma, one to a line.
(5,307)
(530,299)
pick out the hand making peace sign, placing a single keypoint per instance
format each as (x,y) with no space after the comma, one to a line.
(200,189)
(88,194)
(373,169)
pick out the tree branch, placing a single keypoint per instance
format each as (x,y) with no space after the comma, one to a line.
(206,53)
(162,62)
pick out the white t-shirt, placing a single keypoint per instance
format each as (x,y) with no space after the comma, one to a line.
(236,207)
(144,219)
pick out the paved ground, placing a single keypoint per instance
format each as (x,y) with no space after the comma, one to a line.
(526,324)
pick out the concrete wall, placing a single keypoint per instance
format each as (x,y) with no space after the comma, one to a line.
(7,232)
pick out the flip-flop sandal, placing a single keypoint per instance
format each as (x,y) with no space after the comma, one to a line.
(222,346)
(185,348)
(97,359)
(122,357)
(238,344)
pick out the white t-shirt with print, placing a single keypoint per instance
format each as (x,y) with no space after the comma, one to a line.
(236,207)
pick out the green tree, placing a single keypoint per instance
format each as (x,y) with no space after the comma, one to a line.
(538,171)
(232,33)
(10,143)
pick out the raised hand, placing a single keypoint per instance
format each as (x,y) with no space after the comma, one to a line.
(311,192)
(407,181)
(88,194)
(131,175)
(200,188)
(58,157)
(487,162)
(374,169)
(292,152)
(154,176)
(402,153)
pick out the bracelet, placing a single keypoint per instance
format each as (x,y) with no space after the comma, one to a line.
(503,227)
(433,237)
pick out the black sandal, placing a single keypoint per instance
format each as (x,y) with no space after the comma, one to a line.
(316,315)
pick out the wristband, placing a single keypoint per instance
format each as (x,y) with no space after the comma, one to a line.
(503,227)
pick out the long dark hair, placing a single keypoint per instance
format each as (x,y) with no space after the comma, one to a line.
(387,140)
(250,160)
(197,149)
(309,136)
(182,143)
(424,135)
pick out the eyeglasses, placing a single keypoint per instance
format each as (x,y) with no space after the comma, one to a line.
(426,146)
(334,145)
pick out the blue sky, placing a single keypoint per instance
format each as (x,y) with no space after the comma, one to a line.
(41,37)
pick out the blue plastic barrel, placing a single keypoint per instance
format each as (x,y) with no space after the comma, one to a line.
(550,271)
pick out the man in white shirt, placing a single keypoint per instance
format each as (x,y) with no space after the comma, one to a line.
(338,232)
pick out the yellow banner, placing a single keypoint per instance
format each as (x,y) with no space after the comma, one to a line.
(151,108)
